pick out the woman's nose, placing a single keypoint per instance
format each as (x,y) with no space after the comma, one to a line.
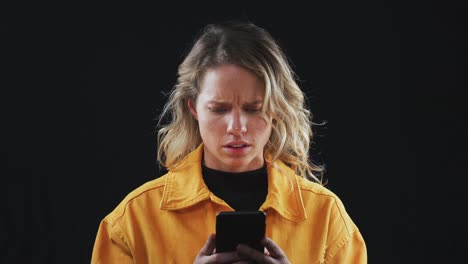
(237,124)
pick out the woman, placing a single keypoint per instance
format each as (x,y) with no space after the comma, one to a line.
(238,140)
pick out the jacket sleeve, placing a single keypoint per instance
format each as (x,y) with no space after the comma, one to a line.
(353,250)
(345,242)
(110,245)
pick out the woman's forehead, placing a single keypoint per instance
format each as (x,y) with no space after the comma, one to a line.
(228,82)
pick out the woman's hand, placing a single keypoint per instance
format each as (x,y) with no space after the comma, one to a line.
(273,254)
(207,254)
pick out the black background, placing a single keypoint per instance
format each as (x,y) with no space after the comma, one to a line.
(82,86)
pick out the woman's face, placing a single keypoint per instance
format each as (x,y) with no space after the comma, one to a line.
(230,119)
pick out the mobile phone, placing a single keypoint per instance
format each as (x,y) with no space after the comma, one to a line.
(233,228)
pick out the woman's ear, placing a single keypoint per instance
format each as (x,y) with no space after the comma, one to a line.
(193,109)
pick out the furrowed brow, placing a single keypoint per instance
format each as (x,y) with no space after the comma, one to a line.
(254,103)
(221,103)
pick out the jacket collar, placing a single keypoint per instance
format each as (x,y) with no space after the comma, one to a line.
(185,187)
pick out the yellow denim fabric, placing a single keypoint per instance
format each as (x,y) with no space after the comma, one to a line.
(169,219)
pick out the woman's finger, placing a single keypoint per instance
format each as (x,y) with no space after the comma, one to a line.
(209,246)
(207,253)
(225,257)
(273,249)
(250,253)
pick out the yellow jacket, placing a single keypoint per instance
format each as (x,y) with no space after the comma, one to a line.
(168,220)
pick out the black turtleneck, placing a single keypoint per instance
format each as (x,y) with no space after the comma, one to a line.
(243,191)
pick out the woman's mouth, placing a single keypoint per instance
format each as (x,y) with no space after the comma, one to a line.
(237,148)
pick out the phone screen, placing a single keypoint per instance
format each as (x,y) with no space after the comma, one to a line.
(233,228)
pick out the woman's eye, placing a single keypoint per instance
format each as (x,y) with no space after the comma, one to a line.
(217,110)
(253,110)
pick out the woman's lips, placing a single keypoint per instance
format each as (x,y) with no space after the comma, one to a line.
(237,149)
(236,145)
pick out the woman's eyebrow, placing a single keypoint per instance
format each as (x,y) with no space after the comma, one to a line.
(254,103)
(215,102)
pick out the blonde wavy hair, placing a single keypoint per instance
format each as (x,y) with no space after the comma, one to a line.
(245,45)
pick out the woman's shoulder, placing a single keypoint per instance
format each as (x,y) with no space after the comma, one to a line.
(316,196)
(318,192)
(148,193)
(309,186)
(148,187)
